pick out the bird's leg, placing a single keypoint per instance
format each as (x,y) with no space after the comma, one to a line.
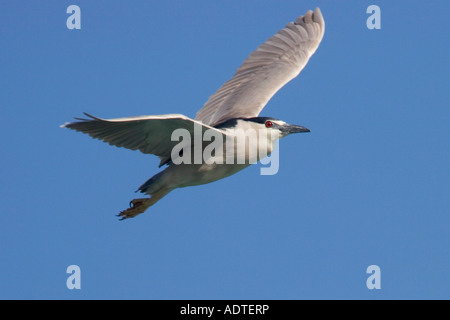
(138,206)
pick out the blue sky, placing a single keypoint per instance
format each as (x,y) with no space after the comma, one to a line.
(368,186)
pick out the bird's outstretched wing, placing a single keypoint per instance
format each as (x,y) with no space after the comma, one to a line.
(265,71)
(149,134)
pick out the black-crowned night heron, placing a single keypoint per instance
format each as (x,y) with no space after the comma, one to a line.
(227,116)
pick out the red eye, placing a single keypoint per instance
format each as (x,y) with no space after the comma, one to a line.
(269,124)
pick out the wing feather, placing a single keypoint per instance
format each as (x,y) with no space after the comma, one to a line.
(265,71)
(149,134)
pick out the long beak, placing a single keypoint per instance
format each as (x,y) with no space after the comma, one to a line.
(291,128)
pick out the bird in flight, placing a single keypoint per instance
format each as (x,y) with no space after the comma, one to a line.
(228,115)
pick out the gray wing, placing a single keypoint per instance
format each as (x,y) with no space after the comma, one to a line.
(149,134)
(265,71)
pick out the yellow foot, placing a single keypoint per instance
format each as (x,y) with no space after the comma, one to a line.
(137,206)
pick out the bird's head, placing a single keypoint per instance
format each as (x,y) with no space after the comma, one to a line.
(275,126)
(272,128)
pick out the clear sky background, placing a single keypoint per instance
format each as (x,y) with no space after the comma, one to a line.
(368,186)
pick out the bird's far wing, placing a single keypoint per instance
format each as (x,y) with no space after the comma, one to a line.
(149,134)
(265,71)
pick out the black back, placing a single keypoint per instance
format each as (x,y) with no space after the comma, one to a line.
(232,122)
